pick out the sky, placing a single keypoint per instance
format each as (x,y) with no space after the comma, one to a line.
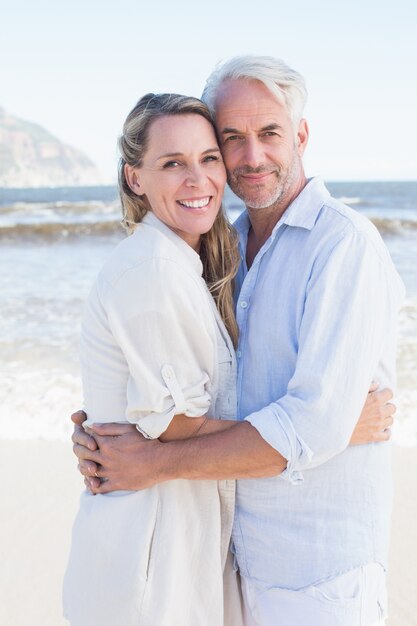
(78,67)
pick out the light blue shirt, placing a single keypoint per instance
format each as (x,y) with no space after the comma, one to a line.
(317,313)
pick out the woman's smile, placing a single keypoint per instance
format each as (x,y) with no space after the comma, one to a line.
(196,203)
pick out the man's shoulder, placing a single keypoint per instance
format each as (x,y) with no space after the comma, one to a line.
(345,217)
(341,221)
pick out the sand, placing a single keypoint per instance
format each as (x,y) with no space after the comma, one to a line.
(39,497)
(402,578)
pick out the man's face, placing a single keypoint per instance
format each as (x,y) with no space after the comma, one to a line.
(261,150)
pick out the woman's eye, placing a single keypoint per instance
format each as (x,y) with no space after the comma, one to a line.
(210,158)
(170,164)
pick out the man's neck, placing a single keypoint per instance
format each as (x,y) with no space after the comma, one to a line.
(263,221)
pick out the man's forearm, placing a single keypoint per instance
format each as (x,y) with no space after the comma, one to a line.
(238,452)
(126,460)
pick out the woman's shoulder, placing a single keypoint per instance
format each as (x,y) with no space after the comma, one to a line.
(150,261)
(140,250)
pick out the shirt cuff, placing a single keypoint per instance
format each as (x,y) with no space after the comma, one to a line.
(154,424)
(278,430)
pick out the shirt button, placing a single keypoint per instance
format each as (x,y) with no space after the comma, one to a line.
(238,354)
(244,304)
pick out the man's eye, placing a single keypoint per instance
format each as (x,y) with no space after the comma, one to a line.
(232,138)
(171,164)
(269,133)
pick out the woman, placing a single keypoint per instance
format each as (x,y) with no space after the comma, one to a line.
(156,352)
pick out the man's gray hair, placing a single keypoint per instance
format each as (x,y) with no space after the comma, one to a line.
(284,83)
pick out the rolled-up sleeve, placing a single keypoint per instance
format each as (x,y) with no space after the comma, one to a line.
(350,302)
(159,316)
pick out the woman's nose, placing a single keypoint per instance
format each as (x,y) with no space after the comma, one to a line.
(195,176)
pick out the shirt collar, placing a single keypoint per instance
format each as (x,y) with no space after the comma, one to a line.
(301,213)
(305,208)
(192,256)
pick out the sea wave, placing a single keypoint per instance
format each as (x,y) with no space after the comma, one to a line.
(53,230)
(109,223)
(70,207)
(352,200)
(394,226)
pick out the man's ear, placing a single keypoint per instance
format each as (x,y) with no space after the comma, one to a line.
(302,136)
(132,176)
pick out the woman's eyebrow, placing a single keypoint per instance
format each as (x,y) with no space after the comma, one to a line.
(179,154)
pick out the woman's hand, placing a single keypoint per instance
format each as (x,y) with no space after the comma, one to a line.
(376,419)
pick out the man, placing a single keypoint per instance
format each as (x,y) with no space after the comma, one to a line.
(317,304)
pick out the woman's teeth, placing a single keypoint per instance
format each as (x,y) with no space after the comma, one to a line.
(195,204)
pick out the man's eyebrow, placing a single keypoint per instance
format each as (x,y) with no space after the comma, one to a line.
(234,131)
(172,155)
(272,126)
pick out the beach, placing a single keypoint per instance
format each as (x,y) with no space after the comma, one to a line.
(40,491)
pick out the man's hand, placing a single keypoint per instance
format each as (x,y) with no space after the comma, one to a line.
(115,456)
(82,443)
(376,419)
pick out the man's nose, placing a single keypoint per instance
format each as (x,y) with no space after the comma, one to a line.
(253,155)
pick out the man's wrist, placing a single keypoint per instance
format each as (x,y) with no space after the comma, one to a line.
(163,470)
(165,465)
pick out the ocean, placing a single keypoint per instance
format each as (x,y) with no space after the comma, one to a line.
(54,241)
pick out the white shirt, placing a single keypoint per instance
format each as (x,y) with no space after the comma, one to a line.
(153,345)
(149,322)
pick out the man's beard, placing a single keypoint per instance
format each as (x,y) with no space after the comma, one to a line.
(258,198)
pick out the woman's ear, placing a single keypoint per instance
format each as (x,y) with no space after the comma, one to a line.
(133,179)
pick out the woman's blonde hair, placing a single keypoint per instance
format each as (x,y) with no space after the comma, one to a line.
(218,247)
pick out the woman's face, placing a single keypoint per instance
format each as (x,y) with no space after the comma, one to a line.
(182,175)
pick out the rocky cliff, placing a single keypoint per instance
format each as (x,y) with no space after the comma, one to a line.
(31,157)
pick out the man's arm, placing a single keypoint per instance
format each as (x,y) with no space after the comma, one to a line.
(345,337)
(129,461)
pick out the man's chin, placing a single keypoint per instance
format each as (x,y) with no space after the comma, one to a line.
(257,201)
(256,198)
